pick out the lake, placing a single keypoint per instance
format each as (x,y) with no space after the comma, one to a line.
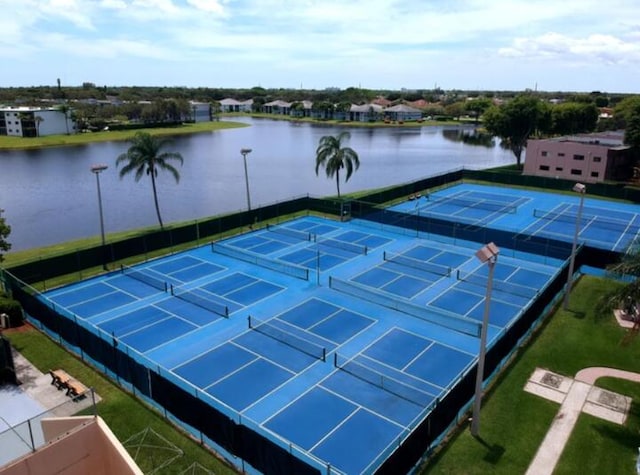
(50,195)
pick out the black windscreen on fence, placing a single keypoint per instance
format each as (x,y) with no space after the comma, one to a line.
(465,232)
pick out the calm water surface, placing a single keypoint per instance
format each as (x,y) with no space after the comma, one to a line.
(50,195)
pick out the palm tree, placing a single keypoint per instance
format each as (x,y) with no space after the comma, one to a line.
(38,119)
(625,297)
(145,156)
(333,156)
(64,108)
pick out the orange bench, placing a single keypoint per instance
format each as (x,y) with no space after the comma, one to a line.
(59,378)
(75,388)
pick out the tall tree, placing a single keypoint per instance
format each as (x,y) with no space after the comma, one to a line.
(573,118)
(477,106)
(632,130)
(5,230)
(145,156)
(331,155)
(515,121)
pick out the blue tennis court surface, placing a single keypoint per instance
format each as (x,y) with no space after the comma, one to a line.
(331,337)
(604,224)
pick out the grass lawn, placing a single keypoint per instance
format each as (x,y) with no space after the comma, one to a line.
(124,414)
(22,143)
(514,423)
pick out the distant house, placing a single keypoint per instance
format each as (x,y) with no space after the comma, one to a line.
(365,112)
(403,112)
(200,111)
(277,107)
(232,105)
(35,121)
(381,101)
(585,157)
(301,110)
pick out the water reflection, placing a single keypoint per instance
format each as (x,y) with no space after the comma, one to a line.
(470,137)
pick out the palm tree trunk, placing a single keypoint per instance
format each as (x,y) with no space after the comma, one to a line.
(155,196)
(338,182)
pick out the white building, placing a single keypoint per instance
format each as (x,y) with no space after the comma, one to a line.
(35,121)
(231,105)
(201,111)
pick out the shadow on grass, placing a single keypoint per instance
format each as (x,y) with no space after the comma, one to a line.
(578,315)
(494,451)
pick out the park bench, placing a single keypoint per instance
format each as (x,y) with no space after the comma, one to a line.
(75,388)
(59,378)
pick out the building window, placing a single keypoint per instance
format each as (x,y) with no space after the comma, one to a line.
(597,159)
(560,154)
(543,153)
(595,174)
(544,167)
(559,169)
(578,157)
(576,171)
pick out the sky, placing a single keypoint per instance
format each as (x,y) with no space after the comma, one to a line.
(548,45)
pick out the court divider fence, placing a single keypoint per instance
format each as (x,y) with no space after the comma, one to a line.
(210,419)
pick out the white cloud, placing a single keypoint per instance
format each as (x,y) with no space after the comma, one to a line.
(596,47)
(325,41)
(212,6)
(114,4)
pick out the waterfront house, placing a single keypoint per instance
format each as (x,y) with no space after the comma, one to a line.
(35,121)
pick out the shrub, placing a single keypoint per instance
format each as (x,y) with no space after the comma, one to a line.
(13,309)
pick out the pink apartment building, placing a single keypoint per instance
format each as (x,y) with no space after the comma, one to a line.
(588,158)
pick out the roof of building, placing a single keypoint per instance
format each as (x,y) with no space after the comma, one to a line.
(403,108)
(366,108)
(278,103)
(610,139)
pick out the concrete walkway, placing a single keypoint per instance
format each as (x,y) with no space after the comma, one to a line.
(549,452)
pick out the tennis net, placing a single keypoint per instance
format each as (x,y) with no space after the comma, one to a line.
(283,267)
(439,317)
(612,224)
(504,286)
(147,276)
(347,246)
(488,205)
(294,341)
(202,299)
(303,236)
(383,381)
(417,264)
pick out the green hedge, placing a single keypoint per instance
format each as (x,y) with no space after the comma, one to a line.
(13,309)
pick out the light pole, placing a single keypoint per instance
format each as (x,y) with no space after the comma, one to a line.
(487,254)
(581,189)
(97,169)
(245,152)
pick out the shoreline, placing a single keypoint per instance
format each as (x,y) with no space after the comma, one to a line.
(11,143)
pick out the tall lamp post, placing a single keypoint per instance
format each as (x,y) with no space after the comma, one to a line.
(245,152)
(97,169)
(487,254)
(582,190)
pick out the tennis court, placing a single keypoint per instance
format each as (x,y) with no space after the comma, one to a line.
(331,339)
(604,224)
